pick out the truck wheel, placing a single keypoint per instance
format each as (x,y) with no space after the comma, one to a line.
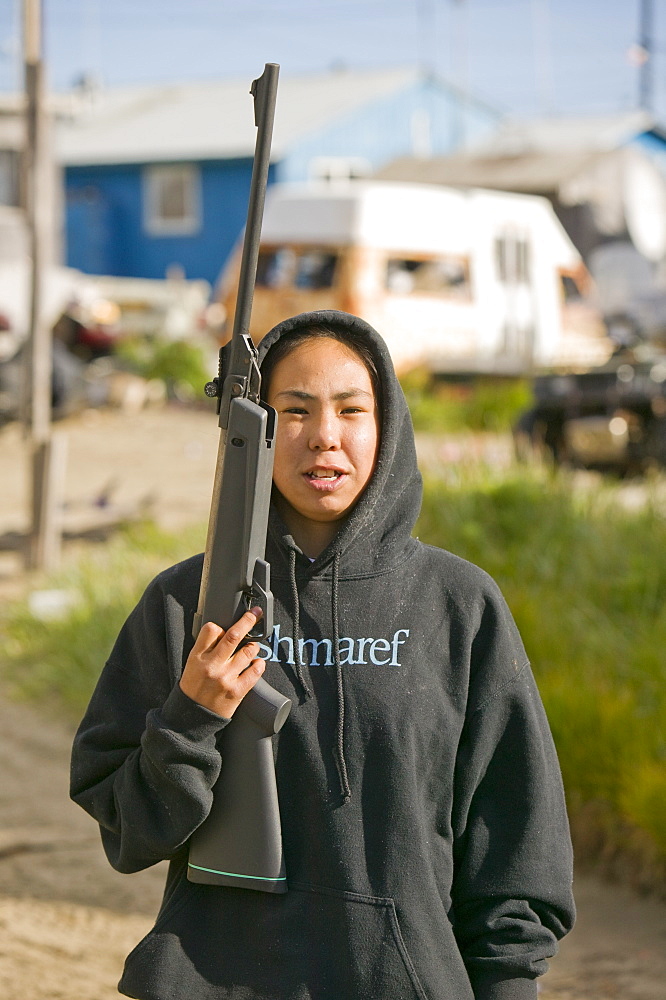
(538,439)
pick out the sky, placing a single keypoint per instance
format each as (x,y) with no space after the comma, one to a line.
(521,56)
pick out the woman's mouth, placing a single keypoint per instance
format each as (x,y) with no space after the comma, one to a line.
(325,480)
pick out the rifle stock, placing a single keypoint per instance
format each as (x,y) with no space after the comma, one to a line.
(240,841)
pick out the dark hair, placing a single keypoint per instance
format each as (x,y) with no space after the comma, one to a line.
(290,341)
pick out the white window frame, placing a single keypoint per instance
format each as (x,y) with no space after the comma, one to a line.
(153,177)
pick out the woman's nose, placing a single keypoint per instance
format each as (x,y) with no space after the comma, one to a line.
(325,436)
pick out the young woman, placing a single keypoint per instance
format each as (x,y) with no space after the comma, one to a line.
(425,835)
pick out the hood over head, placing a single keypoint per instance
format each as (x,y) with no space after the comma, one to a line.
(375,533)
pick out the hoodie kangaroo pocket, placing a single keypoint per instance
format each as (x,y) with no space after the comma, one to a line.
(313,943)
(353,946)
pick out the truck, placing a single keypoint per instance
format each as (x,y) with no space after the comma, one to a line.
(462,281)
(610,417)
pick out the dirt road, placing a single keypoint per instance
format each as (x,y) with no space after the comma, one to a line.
(66,919)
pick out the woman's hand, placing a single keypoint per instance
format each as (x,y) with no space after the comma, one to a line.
(217,674)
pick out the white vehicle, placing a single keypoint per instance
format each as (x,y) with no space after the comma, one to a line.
(463,281)
(88,314)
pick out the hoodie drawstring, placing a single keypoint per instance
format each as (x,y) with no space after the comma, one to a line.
(297,625)
(340,742)
(339,751)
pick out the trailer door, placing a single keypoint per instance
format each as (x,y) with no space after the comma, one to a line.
(515,299)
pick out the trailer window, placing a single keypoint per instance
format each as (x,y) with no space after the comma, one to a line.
(275,268)
(440,276)
(315,269)
(570,290)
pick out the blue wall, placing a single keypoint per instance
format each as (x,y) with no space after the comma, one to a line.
(105,231)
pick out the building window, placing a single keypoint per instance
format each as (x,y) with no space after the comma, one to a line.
(10,172)
(447,276)
(172,200)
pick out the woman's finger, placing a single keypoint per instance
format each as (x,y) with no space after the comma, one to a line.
(234,635)
(249,677)
(243,656)
(209,636)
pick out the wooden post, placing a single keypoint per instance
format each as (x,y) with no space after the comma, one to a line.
(49,463)
(45,457)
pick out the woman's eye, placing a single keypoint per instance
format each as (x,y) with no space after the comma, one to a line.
(295,409)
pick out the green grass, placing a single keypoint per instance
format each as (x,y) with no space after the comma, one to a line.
(586,581)
(58,661)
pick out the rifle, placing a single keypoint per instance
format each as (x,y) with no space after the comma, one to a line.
(240,841)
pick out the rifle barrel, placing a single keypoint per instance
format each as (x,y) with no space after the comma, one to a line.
(265,93)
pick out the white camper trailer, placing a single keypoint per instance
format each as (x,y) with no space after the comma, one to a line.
(463,281)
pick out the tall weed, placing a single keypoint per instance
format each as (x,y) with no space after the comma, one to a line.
(586,581)
(59,659)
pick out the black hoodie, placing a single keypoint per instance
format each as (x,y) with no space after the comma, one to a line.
(425,834)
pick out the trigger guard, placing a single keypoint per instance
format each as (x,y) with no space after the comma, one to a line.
(265,624)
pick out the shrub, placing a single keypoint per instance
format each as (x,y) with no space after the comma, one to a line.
(482,404)
(182,364)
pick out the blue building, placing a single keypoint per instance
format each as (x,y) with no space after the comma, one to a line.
(157,178)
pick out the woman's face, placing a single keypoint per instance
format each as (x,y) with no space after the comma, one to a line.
(327,433)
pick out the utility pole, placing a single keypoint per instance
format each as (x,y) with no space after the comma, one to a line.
(427,31)
(645,45)
(543,62)
(46,450)
(460,59)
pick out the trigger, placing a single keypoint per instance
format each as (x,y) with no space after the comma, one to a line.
(261,595)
